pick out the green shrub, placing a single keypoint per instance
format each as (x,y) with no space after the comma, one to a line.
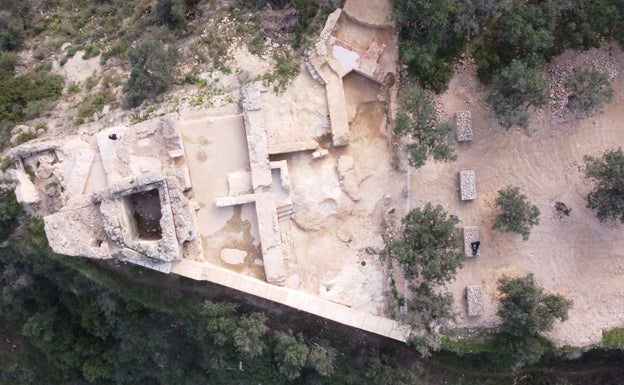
(90,105)
(12,30)
(517,87)
(91,51)
(10,211)
(8,61)
(26,136)
(152,70)
(517,213)
(613,338)
(24,97)
(417,119)
(607,173)
(589,90)
(286,68)
(73,88)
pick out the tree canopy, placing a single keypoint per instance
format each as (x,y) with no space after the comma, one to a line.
(417,119)
(525,311)
(517,213)
(514,90)
(152,70)
(429,245)
(589,90)
(607,197)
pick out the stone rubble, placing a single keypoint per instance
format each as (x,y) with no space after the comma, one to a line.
(474,301)
(467,185)
(463,126)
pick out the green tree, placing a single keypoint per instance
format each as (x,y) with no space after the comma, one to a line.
(525,311)
(10,212)
(12,31)
(152,70)
(174,12)
(425,39)
(248,337)
(589,90)
(518,214)
(607,172)
(223,327)
(523,31)
(291,354)
(377,368)
(417,119)
(514,90)
(321,358)
(429,246)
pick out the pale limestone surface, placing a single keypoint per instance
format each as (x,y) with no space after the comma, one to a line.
(349,181)
(227,195)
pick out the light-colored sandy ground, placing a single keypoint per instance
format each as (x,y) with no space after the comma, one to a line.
(329,232)
(335,240)
(577,255)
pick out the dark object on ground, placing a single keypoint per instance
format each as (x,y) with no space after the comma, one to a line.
(562,208)
(475,248)
(112,137)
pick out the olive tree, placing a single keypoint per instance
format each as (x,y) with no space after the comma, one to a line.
(607,172)
(516,88)
(517,213)
(589,90)
(152,70)
(429,245)
(417,119)
(525,311)
(291,353)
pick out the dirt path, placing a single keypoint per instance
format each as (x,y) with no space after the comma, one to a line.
(577,255)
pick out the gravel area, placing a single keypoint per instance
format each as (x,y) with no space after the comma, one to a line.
(467,185)
(474,301)
(463,126)
(471,234)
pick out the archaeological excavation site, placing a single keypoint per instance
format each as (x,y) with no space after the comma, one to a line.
(298,186)
(280,196)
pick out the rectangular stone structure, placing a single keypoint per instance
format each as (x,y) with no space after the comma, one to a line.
(471,234)
(474,301)
(467,185)
(463,126)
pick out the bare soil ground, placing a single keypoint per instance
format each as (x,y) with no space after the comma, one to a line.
(574,255)
(336,240)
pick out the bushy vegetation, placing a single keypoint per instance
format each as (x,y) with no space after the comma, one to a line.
(67,320)
(152,70)
(517,213)
(428,251)
(433,35)
(607,172)
(308,15)
(174,13)
(515,89)
(417,119)
(428,248)
(525,311)
(511,41)
(589,90)
(26,96)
